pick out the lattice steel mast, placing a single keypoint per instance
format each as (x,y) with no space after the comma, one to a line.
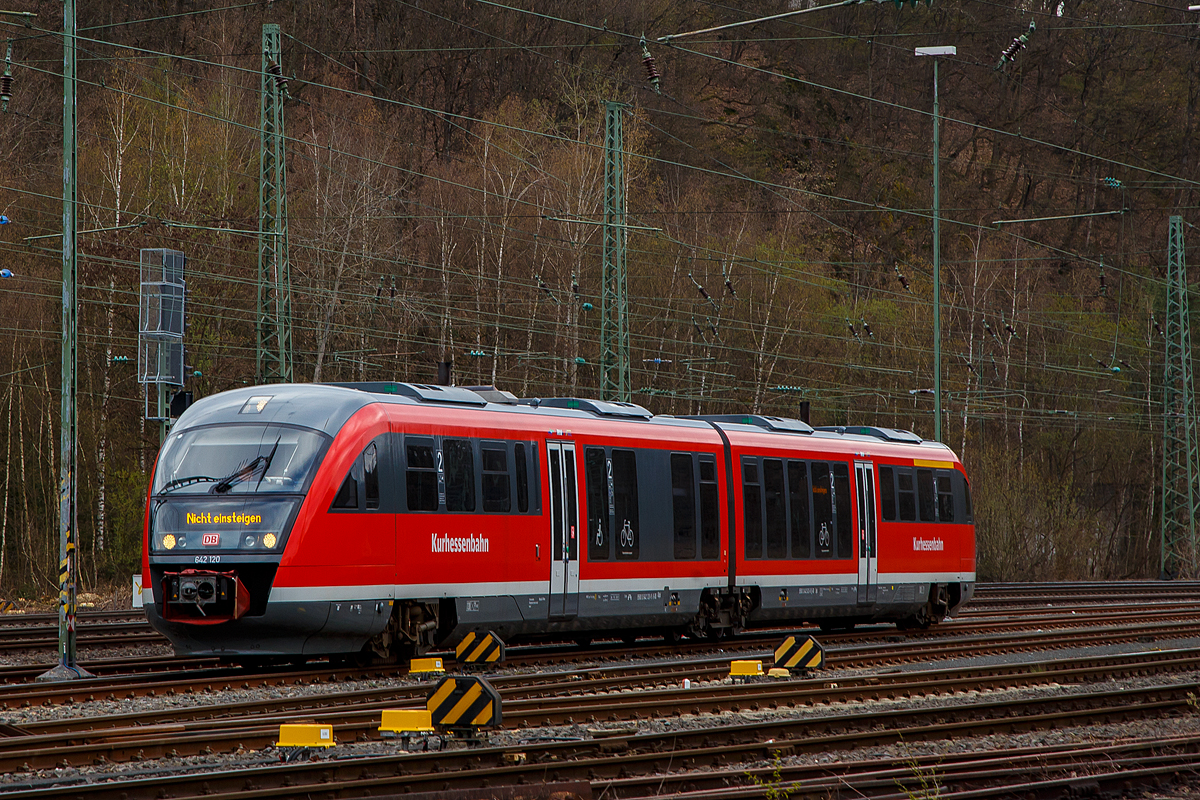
(274,317)
(1180,468)
(614,330)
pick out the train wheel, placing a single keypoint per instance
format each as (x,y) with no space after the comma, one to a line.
(583,641)
(917,622)
(672,636)
(629,638)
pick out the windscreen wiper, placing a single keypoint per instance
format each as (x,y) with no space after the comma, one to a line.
(178,482)
(244,473)
(267,464)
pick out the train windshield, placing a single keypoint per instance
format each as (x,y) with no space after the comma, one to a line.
(238,459)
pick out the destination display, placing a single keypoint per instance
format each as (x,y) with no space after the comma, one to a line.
(195,524)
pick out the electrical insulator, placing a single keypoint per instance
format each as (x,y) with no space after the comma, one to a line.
(281,81)
(651,70)
(1018,44)
(6,79)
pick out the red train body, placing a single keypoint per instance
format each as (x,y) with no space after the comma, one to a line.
(304,520)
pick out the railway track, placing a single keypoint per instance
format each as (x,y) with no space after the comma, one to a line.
(636,731)
(130,678)
(594,696)
(602,761)
(39,631)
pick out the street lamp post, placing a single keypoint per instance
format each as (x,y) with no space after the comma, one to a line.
(937,250)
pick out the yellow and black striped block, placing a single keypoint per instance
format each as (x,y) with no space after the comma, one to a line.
(480,649)
(464,704)
(800,652)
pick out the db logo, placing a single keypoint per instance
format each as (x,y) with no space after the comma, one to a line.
(211,539)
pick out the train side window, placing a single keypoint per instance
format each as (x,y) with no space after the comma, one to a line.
(967,499)
(683,504)
(497,494)
(371,475)
(571,485)
(843,501)
(710,510)
(773,491)
(420,476)
(522,477)
(752,512)
(908,495)
(822,503)
(925,495)
(625,503)
(945,490)
(460,474)
(887,493)
(595,468)
(556,504)
(798,495)
(347,496)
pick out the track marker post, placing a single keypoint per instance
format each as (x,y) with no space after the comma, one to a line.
(800,652)
(464,706)
(479,650)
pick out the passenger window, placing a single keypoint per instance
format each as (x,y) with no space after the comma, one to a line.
(945,489)
(625,503)
(497,497)
(798,495)
(773,490)
(596,471)
(522,477)
(710,511)
(347,496)
(925,499)
(842,500)
(460,474)
(752,508)
(683,504)
(967,499)
(908,496)
(371,475)
(887,493)
(420,480)
(822,504)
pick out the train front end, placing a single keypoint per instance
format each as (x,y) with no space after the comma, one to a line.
(228,487)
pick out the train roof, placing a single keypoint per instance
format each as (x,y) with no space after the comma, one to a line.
(327,407)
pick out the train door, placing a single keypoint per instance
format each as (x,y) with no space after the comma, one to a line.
(868,564)
(564,525)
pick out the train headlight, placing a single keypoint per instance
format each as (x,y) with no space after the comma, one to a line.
(250,540)
(269,540)
(168,541)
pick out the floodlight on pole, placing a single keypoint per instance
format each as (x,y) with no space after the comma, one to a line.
(942,50)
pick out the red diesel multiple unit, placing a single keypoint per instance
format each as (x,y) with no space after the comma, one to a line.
(306,520)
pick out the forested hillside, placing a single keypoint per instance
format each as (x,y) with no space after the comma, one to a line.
(445,174)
